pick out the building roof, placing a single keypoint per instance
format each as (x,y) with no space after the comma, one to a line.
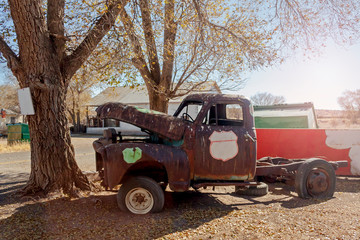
(139,95)
(298,106)
(124,95)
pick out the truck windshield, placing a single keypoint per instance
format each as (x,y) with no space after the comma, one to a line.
(189,110)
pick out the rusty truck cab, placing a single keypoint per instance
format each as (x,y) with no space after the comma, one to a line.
(209,141)
(221,138)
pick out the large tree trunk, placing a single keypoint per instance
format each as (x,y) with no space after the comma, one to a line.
(53,164)
(43,66)
(158,102)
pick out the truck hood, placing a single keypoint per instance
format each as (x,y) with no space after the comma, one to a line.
(165,125)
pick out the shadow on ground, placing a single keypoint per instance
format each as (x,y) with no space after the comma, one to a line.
(99,217)
(10,183)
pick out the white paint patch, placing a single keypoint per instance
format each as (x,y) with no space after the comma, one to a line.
(343,139)
(354,155)
(223,145)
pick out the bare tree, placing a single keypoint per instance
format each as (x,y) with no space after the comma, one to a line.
(79,93)
(176,46)
(8,97)
(264,98)
(8,89)
(350,102)
(42,63)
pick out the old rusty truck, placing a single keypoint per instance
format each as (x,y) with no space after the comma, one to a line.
(209,141)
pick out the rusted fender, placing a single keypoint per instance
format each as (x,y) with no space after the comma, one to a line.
(118,158)
(160,123)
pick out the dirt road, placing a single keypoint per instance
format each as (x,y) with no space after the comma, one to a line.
(15,166)
(19,162)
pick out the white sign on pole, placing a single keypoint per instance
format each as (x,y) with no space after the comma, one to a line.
(26,104)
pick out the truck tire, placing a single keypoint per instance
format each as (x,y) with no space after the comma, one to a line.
(140,195)
(315,178)
(259,190)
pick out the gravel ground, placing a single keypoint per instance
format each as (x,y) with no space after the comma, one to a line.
(207,214)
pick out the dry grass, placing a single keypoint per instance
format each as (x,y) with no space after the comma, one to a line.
(17,147)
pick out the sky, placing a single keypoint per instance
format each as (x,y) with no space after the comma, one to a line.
(320,80)
(2,75)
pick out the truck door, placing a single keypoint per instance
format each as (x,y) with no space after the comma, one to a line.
(221,145)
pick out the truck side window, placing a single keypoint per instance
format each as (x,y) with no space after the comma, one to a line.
(234,112)
(225,115)
(189,110)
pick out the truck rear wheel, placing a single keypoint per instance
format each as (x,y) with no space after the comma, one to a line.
(258,190)
(315,178)
(140,195)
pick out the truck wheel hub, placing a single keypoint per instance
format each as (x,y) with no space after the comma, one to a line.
(139,201)
(317,182)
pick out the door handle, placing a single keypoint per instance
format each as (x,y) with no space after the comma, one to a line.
(247,136)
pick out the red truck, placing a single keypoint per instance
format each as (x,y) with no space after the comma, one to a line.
(209,141)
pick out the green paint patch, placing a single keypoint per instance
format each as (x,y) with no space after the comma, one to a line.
(145,110)
(174,143)
(230,178)
(131,155)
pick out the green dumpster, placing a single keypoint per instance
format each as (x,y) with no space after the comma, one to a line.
(18,132)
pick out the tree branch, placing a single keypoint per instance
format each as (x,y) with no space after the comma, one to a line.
(150,40)
(55,24)
(170,29)
(13,62)
(204,21)
(73,62)
(193,87)
(139,59)
(186,69)
(186,75)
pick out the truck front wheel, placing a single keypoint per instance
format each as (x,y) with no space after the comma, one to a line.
(315,178)
(140,195)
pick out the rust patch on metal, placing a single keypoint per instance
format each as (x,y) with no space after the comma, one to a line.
(163,124)
(156,157)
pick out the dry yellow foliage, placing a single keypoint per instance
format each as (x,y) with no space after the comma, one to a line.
(17,147)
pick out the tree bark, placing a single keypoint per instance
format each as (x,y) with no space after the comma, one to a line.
(53,164)
(158,102)
(43,66)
